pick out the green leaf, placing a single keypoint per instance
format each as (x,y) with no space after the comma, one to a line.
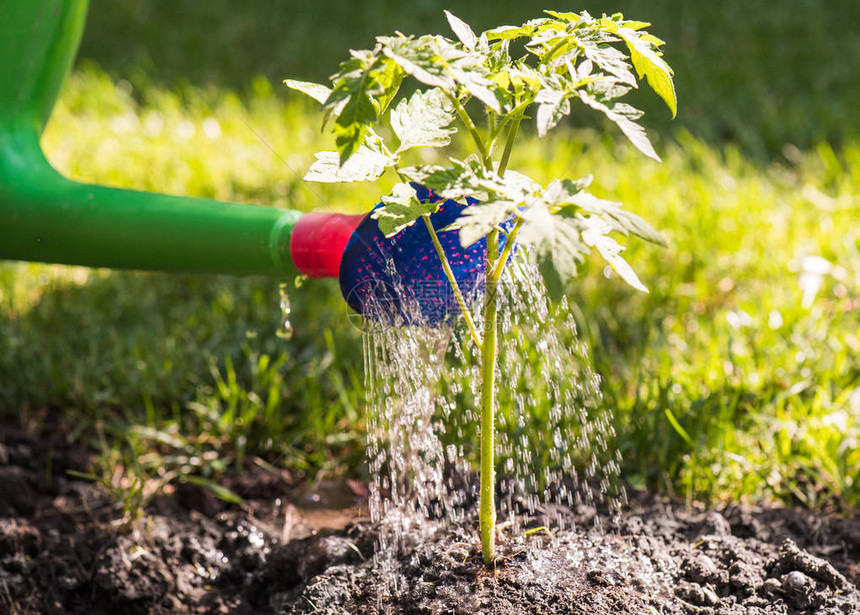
(497,60)
(401,209)
(553,105)
(525,79)
(624,117)
(363,87)
(507,33)
(558,246)
(459,180)
(476,80)
(420,58)
(388,77)
(611,60)
(565,195)
(567,18)
(318,92)
(650,65)
(367,163)
(350,128)
(562,191)
(462,30)
(514,186)
(84,475)
(619,219)
(595,234)
(469,178)
(636,25)
(478,220)
(423,120)
(437,62)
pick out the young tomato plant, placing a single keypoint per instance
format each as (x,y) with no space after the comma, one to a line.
(569,57)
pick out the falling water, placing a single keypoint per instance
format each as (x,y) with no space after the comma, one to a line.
(554,443)
(285,331)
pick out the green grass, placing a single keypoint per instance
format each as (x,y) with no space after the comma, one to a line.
(759,75)
(727,383)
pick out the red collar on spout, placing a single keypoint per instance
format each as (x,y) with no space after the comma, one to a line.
(318,241)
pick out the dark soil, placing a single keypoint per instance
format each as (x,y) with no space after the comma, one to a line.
(62,551)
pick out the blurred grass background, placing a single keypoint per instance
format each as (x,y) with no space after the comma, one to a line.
(748,339)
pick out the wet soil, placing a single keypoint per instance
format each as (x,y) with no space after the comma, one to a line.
(296,551)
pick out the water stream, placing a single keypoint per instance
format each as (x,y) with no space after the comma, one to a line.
(554,444)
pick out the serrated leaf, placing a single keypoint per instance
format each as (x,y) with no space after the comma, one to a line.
(423,120)
(476,81)
(401,209)
(557,246)
(514,186)
(624,115)
(594,234)
(553,105)
(478,220)
(388,77)
(363,87)
(350,128)
(462,30)
(437,62)
(524,78)
(507,33)
(366,164)
(636,25)
(497,60)
(419,58)
(650,38)
(567,18)
(612,61)
(563,191)
(456,181)
(318,92)
(619,219)
(469,178)
(651,66)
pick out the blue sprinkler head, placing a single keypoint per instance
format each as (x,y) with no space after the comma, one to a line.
(400,279)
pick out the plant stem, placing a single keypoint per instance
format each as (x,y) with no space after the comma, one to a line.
(473,130)
(496,274)
(509,144)
(452,280)
(488,402)
(517,113)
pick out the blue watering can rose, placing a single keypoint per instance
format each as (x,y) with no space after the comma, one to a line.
(400,279)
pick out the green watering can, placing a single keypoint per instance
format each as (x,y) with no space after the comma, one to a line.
(47,218)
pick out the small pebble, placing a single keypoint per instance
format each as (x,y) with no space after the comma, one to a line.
(796,581)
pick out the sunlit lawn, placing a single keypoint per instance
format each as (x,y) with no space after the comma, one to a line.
(737,376)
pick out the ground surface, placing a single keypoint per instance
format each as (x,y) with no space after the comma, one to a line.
(60,553)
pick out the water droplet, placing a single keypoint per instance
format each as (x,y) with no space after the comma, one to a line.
(285,331)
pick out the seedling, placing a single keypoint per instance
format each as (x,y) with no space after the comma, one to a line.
(569,57)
